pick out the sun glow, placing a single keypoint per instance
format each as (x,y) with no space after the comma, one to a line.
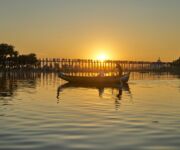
(102,57)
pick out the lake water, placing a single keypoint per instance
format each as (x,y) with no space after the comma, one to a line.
(40,111)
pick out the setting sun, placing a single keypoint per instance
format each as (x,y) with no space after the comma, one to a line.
(102,57)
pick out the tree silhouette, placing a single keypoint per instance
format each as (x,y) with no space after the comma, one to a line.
(6,53)
(27,60)
(10,58)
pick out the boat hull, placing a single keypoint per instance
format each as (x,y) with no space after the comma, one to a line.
(97,80)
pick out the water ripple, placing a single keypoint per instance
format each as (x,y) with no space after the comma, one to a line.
(43,113)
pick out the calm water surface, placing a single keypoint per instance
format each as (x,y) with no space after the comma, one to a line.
(40,111)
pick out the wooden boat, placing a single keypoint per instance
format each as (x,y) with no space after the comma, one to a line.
(98,79)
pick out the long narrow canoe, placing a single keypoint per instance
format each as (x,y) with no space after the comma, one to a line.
(106,79)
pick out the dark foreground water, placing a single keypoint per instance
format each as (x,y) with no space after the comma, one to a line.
(37,111)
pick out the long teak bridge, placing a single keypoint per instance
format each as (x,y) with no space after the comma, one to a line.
(88,65)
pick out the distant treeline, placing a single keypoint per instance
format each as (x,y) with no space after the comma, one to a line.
(10,58)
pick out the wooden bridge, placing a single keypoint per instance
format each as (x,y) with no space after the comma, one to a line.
(88,65)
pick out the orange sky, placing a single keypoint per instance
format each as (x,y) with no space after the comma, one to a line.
(123,29)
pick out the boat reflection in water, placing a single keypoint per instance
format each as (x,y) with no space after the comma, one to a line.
(117,89)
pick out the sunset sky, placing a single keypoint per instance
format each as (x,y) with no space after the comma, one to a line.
(118,29)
